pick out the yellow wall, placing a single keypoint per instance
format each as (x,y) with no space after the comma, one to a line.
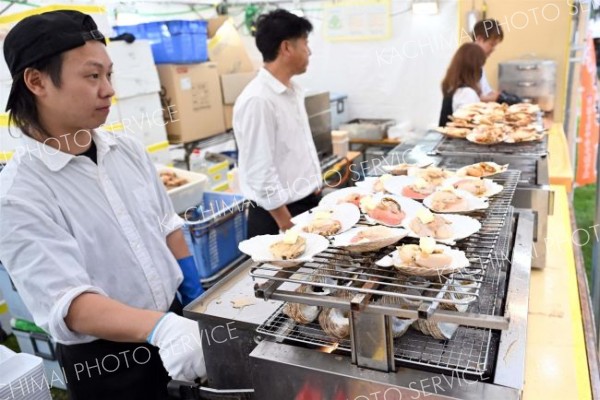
(541,27)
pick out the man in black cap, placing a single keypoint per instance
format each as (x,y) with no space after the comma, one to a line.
(87,232)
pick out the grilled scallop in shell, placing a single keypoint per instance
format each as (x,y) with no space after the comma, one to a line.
(323,227)
(288,251)
(336,322)
(399,325)
(302,313)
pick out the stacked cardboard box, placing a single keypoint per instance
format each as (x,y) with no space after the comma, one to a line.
(192,95)
(225,47)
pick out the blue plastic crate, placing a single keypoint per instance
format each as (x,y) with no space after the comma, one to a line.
(173,42)
(214,230)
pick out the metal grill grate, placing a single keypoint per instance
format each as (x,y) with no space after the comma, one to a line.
(448,146)
(359,275)
(469,352)
(526,165)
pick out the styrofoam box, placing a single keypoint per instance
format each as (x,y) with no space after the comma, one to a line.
(43,346)
(10,141)
(4,72)
(142,117)
(20,368)
(190,194)
(134,72)
(160,154)
(16,307)
(5,85)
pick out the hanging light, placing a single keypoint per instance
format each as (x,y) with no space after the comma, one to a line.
(425,7)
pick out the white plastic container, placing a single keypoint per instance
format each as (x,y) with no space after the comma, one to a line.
(44,348)
(190,194)
(22,376)
(401,129)
(341,143)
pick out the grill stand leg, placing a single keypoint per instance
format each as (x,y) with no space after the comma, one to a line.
(372,341)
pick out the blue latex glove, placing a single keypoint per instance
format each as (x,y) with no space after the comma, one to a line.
(190,288)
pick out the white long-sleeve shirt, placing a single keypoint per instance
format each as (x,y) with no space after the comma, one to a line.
(464,96)
(69,226)
(485,85)
(278,162)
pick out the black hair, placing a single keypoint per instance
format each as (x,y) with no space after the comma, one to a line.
(277,26)
(23,111)
(488,29)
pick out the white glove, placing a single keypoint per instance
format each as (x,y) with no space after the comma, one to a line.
(180,347)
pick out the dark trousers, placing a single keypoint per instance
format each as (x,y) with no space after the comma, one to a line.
(103,370)
(260,221)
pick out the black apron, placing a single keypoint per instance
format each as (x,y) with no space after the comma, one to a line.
(102,370)
(446,111)
(260,221)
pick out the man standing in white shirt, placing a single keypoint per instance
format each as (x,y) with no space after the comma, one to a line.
(87,232)
(487,34)
(278,163)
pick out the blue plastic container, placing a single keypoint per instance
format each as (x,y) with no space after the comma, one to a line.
(214,230)
(173,42)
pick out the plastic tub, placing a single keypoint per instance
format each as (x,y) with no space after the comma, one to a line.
(368,129)
(214,230)
(189,195)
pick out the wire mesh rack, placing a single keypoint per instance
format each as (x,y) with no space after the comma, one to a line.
(471,349)
(339,271)
(448,146)
(528,166)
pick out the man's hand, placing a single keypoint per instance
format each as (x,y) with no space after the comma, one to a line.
(492,96)
(180,347)
(282,217)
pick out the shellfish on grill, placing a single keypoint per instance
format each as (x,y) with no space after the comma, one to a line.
(303,313)
(386,211)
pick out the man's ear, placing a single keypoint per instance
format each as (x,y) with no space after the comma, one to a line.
(35,81)
(284,47)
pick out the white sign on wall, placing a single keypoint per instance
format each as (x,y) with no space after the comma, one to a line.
(357,20)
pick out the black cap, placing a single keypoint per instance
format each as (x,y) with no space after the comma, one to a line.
(44,35)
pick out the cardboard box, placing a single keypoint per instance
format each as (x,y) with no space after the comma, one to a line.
(213,25)
(227,50)
(233,84)
(192,100)
(134,70)
(228,116)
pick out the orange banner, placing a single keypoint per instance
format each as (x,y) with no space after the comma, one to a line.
(589,130)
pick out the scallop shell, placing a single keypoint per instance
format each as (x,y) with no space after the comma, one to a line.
(335,322)
(437,330)
(301,313)
(399,325)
